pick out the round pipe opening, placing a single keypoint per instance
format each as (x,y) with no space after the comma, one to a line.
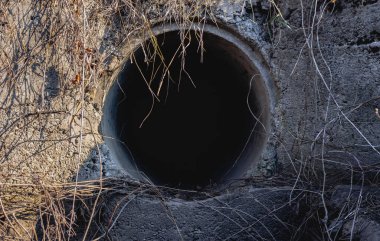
(207,120)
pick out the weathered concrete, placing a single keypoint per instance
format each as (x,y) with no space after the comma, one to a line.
(326,77)
(231,216)
(245,214)
(329,77)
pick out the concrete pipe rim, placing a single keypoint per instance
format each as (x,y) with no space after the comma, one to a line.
(260,85)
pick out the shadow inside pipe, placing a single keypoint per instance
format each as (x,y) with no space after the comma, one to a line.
(187,114)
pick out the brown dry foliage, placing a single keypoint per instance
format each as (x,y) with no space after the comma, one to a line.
(55,56)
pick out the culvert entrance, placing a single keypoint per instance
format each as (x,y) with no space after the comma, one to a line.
(210,122)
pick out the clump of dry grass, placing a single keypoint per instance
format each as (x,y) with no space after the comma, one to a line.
(55,61)
(56,57)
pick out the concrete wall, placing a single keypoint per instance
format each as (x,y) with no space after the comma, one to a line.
(324,65)
(327,69)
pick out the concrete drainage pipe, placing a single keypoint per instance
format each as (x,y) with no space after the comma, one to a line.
(211,122)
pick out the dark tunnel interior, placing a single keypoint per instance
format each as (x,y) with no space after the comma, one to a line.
(194,132)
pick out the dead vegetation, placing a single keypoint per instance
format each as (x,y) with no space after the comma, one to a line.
(55,56)
(55,59)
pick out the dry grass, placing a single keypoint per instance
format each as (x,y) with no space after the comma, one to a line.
(55,59)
